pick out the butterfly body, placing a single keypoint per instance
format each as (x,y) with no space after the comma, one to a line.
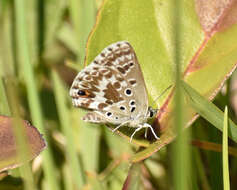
(113,88)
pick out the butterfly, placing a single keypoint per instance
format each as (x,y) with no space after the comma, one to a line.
(113,88)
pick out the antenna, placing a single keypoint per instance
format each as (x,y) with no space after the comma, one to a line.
(163,93)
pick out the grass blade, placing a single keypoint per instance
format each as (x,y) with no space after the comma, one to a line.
(209,111)
(181,150)
(32,95)
(4,108)
(82,14)
(214,147)
(226,178)
(76,170)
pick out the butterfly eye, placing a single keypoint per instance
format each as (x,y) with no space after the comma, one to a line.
(151,114)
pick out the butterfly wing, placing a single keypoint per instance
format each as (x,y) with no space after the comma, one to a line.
(112,85)
(120,56)
(103,117)
(101,93)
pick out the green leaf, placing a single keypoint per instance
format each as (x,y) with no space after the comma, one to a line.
(208,53)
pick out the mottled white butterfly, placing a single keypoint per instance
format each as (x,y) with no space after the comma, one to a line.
(113,87)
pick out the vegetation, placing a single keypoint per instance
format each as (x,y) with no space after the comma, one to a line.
(190,45)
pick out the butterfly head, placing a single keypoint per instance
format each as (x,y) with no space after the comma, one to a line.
(151,112)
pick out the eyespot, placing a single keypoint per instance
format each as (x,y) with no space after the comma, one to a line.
(132,102)
(109,114)
(116,117)
(81,92)
(122,108)
(133,109)
(128,92)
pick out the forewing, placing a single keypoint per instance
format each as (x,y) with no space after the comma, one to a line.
(120,56)
(96,83)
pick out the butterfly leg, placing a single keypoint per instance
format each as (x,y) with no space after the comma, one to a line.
(137,129)
(153,132)
(122,124)
(146,132)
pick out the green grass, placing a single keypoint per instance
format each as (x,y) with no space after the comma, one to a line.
(181,150)
(71,154)
(225,155)
(32,93)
